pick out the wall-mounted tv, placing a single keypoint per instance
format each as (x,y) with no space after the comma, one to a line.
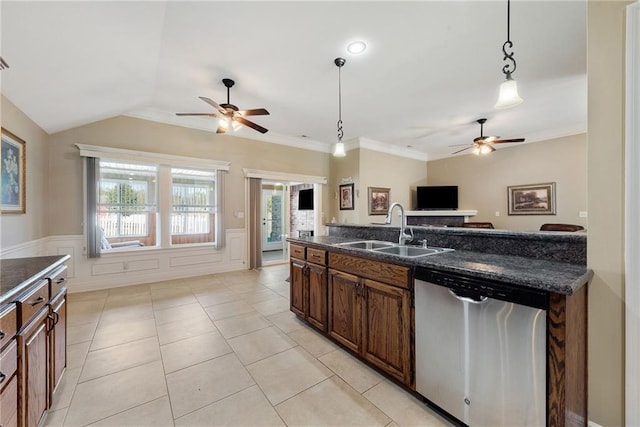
(305,200)
(444,197)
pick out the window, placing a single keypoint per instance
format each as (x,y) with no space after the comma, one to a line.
(193,206)
(137,198)
(127,207)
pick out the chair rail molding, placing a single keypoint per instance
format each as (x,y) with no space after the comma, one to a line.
(632,213)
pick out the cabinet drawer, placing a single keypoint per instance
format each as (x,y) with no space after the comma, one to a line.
(31,303)
(317,255)
(8,363)
(9,404)
(297,251)
(8,324)
(58,280)
(387,273)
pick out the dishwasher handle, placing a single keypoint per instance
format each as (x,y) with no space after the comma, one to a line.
(480,299)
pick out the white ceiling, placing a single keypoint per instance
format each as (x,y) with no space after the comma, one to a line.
(431,68)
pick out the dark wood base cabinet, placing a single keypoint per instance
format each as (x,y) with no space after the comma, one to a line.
(367,307)
(33,340)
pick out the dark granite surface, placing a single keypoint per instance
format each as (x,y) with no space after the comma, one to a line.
(550,246)
(17,275)
(552,276)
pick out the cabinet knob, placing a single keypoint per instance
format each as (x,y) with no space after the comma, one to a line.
(60,280)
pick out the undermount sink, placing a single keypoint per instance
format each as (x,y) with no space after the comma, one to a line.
(367,244)
(412,251)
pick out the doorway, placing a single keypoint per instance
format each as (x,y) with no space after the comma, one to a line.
(274,217)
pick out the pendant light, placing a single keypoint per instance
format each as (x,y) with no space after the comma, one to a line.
(508,89)
(339,149)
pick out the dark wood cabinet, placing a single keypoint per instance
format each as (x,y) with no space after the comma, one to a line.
(308,287)
(9,382)
(344,309)
(57,340)
(373,319)
(33,346)
(386,328)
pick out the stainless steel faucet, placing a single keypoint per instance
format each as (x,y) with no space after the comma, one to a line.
(404,236)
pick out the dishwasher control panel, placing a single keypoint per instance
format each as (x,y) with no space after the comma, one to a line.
(475,287)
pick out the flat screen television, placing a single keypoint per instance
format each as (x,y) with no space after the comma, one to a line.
(305,200)
(444,197)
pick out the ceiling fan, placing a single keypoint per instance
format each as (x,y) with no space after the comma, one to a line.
(230,116)
(484,144)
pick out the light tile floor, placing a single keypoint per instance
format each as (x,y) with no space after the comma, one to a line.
(221,349)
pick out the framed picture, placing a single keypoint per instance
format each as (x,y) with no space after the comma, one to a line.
(534,199)
(346,197)
(378,201)
(12,180)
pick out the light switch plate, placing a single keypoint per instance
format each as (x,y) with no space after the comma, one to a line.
(583,214)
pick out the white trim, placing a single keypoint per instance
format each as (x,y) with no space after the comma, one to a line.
(381,147)
(282,176)
(145,156)
(632,213)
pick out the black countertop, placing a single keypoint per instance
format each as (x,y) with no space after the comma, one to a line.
(17,275)
(552,276)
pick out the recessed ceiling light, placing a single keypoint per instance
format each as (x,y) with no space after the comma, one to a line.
(356,47)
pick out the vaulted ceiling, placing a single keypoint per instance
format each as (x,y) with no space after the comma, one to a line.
(431,68)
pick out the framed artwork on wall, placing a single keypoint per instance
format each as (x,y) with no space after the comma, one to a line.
(346,197)
(533,199)
(13,166)
(378,200)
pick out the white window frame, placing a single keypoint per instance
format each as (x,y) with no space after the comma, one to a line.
(164,202)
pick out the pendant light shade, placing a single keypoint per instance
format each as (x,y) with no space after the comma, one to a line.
(339,148)
(508,94)
(509,88)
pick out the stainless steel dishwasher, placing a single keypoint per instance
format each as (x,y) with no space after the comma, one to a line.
(481,349)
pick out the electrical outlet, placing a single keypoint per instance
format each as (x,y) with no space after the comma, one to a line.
(497,213)
(583,214)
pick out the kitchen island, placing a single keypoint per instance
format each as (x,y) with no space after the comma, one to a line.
(33,334)
(365,299)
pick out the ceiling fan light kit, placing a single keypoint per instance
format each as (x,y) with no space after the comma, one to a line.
(509,88)
(230,118)
(339,148)
(483,145)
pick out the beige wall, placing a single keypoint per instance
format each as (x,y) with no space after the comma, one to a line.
(369,168)
(483,180)
(65,185)
(605,179)
(16,229)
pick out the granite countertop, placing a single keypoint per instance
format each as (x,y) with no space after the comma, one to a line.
(17,275)
(552,276)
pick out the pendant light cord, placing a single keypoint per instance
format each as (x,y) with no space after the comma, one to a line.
(339,63)
(508,68)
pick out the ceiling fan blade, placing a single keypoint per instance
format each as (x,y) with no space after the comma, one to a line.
(250,124)
(460,151)
(213,104)
(197,114)
(502,141)
(457,145)
(221,130)
(254,112)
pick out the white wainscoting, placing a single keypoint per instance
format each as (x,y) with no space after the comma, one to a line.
(133,267)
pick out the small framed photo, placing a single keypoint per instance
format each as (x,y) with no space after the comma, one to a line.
(378,200)
(13,166)
(346,197)
(534,199)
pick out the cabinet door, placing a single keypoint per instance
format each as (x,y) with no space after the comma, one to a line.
(297,287)
(9,403)
(317,286)
(386,332)
(34,387)
(344,309)
(58,340)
